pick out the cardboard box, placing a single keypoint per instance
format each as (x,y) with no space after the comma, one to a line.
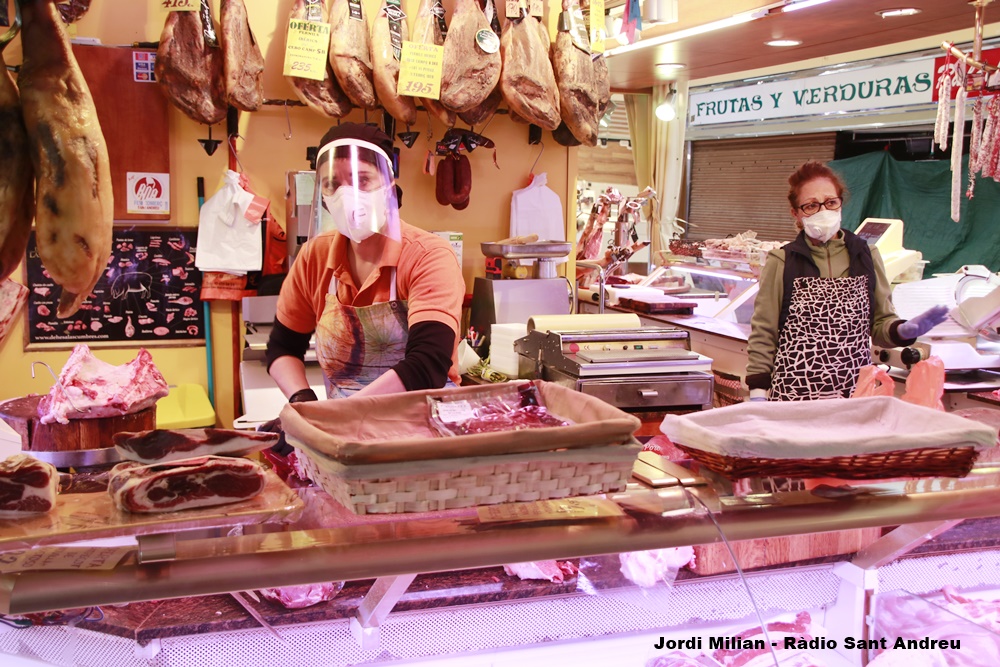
(455,239)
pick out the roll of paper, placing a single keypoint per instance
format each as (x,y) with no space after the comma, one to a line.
(592,322)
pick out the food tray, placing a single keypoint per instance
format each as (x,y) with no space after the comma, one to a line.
(866,438)
(526,250)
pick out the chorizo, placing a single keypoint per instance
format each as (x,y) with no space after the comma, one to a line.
(463,180)
(445,181)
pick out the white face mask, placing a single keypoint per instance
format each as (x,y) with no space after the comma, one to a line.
(357,214)
(822,225)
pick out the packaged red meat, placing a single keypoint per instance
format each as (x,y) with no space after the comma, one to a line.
(549,570)
(27,486)
(298,597)
(679,659)
(163,445)
(510,407)
(88,388)
(648,568)
(660,444)
(749,652)
(170,487)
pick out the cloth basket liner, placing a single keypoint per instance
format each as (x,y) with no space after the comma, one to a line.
(825,428)
(395,427)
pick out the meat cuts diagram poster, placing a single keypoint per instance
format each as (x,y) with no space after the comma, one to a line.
(148,294)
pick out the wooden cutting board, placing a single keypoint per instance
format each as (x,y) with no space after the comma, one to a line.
(715,558)
(21,414)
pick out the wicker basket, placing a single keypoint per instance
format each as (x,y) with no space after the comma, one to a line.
(928,462)
(425,486)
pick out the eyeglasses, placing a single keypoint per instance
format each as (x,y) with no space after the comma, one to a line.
(813,208)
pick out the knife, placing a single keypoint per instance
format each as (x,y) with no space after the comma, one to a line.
(256,615)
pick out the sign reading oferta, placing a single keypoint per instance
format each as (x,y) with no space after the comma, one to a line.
(902,84)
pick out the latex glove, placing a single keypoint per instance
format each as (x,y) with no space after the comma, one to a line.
(282,448)
(922,323)
(757,395)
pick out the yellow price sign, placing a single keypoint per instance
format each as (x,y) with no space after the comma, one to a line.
(306,48)
(179,5)
(597,27)
(420,67)
(550,510)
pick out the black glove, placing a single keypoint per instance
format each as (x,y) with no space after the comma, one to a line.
(282,448)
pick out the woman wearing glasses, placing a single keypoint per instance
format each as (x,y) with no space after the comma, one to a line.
(823,298)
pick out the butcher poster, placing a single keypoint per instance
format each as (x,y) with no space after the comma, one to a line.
(148,295)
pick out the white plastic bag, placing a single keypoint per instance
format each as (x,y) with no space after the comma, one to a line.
(227,241)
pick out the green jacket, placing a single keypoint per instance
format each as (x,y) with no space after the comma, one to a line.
(833,262)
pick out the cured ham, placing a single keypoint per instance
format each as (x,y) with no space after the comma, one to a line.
(777,631)
(17,191)
(242,61)
(161,445)
(205,481)
(350,52)
(427,29)
(27,486)
(73,219)
(324,97)
(470,73)
(88,387)
(189,65)
(579,94)
(527,81)
(386,65)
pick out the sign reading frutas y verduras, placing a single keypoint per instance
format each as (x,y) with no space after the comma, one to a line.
(148,193)
(306,48)
(904,84)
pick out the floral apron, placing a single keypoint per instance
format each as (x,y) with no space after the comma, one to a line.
(825,341)
(355,345)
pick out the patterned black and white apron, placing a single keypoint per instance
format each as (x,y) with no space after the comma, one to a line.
(825,341)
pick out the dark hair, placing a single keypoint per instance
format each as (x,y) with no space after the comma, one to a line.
(810,171)
(362,131)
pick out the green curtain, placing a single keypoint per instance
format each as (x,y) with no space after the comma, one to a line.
(919,194)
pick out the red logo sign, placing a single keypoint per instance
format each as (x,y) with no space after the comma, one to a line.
(147,188)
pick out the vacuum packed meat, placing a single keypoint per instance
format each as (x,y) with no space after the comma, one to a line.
(27,486)
(73,219)
(505,408)
(170,487)
(740,655)
(162,445)
(88,388)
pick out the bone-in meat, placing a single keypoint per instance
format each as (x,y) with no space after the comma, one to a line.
(242,61)
(386,69)
(579,97)
(17,191)
(189,69)
(170,487)
(470,74)
(350,53)
(324,97)
(427,30)
(75,204)
(162,445)
(527,81)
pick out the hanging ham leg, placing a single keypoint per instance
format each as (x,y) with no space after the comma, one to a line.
(75,203)
(17,192)
(427,30)
(324,97)
(470,73)
(578,92)
(386,71)
(527,80)
(242,62)
(350,53)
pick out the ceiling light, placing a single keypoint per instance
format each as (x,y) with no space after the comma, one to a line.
(677,35)
(902,11)
(667,67)
(665,110)
(794,5)
(783,42)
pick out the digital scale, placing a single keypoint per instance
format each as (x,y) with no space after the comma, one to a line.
(887,235)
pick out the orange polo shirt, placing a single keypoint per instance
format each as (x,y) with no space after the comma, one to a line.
(428,278)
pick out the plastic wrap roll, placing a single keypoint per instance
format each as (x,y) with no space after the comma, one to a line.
(584,322)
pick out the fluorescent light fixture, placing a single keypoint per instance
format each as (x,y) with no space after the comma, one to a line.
(902,11)
(794,6)
(667,67)
(783,42)
(677,35)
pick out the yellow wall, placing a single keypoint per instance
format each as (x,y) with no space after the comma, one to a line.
(265,155)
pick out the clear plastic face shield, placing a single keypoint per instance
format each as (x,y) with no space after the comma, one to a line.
(355,192)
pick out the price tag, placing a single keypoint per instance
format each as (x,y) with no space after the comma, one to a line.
(453,412)
(63,558)
(420,70)
(306,49)
(255,211)
(537,8)
(597,27)
(179,5)
(550,510)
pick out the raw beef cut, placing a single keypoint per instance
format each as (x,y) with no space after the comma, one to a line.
(386,68)
(170,487)
(189,66)
(800,628)
(427,30)
(88,388)
(73,218)
(299,597)
(27,486)
(13,296)
(527,81)
(242,61)
(17,183)
(324,97)
(161,445)
(470,74)
(350,53)
(548,570)
(579,97)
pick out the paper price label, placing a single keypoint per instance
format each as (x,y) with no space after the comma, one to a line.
(597,28)
(550,510)
(512,8)
(537,8)
(454,412)
(306,48)
(63,558)
(179,5)
(420,68)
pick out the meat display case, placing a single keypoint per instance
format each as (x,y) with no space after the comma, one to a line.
(323,545)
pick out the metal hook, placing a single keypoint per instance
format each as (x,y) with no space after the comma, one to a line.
(54,377)
(537,157)
(15,27)
(232,147)
(288,120)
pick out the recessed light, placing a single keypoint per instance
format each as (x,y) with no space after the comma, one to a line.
(902,11)
(670,66)
(783,42)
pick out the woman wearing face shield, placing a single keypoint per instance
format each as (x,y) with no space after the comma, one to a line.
(383,298)
(823,299)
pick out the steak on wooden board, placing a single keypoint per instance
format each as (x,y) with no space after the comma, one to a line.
(527,81)
(27,485)
(350,53)
(386,69)
(162,445)
(189,69)
(17,191)
(470,74)
(242,61)
(198,482)
(73,219)
(324,97)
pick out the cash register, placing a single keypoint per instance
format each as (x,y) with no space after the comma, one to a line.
(886,234)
